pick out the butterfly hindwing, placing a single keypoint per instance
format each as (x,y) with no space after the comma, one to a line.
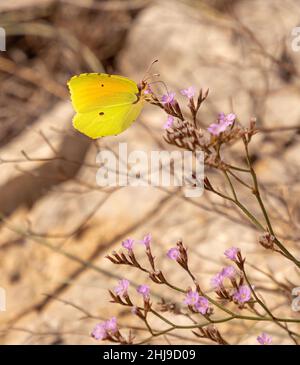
(107,121)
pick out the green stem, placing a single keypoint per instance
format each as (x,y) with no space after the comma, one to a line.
(263,305)
(256,192)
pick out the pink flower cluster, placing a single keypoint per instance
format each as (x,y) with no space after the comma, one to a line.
(228,272)
(242,294)
(169,123)
(105,329)
(194,299)
(173,253)
(144,290)
(189,92)
(264,339)
(129,242)
(199,303)
(122,288)
(232,253)
(224,121)
(170,99)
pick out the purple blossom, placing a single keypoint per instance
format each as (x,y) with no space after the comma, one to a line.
(217,280)
(202,305)
(148,90)
(264,339)
(102,330)
(224,121)
(242,294)
(216,128)
(173,253)
(128,244)
(144,290)
(122,288)
(99,332)
(111,325)
(168,98)
(231,253)
(192,298)
(189,92)
(169,123)
(147,240)
(228,118)
(228,272)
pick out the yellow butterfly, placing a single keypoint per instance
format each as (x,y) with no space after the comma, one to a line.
(105,104)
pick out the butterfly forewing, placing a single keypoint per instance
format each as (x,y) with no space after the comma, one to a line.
(90,91)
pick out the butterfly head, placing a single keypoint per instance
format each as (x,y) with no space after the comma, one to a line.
(145,90)
(143,86)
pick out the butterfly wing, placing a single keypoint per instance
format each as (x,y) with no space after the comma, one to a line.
(105,104)
(107,121)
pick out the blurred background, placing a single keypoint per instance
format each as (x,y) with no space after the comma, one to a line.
(59,224)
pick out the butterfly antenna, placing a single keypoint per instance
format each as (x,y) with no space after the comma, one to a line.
(160,82)
(147,73)
(150,66)
(150,76)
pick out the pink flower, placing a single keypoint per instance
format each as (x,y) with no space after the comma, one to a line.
(148,90)
(217,280)
(189,92)
(147,240)
(99,332)
(228,118)
(231,253)
(168,98)
(202,305)
(111,325)
(242,294)
(199,303)
(264,339)
(102,330)
(169,123)
(228,272)
(224,121)
(216,128)
(144,290)
(173,253)
(122,288)
(192,298)
(128,244)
